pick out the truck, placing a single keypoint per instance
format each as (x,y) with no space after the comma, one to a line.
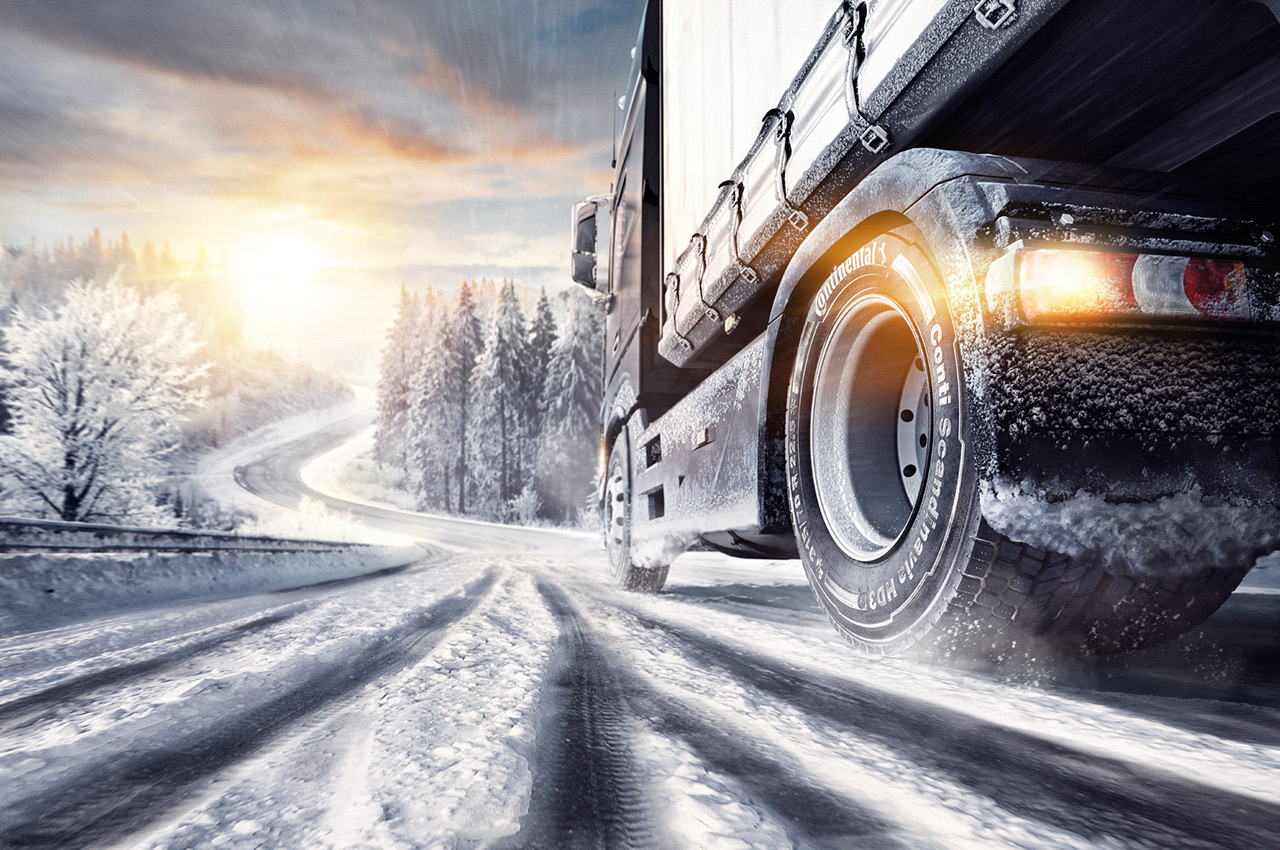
(974,309)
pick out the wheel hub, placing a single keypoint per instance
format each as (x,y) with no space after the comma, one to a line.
(871,427)
(615,512)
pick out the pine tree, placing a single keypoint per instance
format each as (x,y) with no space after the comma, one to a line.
(542,335)
(498,384)
(168,265)
(149,262)
(570,408)
(394,377)
(433,414)
(123,257)
(468,343)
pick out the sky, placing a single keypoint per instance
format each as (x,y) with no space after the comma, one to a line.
(379,136)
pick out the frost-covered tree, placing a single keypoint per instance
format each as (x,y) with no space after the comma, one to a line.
(570,408)
(424,396)
(498,389)
(394,380)
(467,343)
(431,412)
(542,335)
(433,420)
(98,385)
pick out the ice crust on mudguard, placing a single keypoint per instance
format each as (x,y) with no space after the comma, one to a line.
(1013,594)
(1170,537)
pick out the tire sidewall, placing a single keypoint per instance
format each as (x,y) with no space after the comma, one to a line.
(887,603)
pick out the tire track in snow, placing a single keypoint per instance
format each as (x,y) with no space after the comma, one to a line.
(586,785)
(585,793)
(31,709)
(815,816)
(112,799)
(1094,797)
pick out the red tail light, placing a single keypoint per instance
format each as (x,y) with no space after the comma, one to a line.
(1217,288)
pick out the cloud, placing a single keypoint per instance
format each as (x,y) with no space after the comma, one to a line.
(496,66)
(168,115)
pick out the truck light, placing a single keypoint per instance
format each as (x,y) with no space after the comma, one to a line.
(1067,285)
(1061,285)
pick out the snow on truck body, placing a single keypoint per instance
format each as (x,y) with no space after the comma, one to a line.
(976,309)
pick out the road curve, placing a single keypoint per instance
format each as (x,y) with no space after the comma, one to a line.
(277,477)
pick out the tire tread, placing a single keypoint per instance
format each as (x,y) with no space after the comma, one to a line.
(1014,592)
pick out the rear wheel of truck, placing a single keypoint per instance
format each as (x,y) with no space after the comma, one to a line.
(617,527)
(884,493)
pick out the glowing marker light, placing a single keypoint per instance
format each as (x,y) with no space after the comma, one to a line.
(1064,285)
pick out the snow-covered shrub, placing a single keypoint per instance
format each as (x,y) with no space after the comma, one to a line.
(524,509)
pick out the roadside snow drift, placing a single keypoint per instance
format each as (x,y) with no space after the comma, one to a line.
(61,584)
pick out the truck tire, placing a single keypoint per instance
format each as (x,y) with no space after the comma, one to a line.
(883,490)
(617,527)
(879,471)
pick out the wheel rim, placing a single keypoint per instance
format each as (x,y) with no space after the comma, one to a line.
(870,427)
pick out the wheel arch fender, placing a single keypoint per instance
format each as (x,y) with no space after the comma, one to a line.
(935,192)
(615,410)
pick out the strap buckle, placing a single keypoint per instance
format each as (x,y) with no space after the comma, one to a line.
(875,138)
(994,14)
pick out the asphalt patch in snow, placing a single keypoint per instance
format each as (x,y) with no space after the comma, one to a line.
(109,801)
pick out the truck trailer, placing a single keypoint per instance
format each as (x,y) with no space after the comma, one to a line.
(975,309)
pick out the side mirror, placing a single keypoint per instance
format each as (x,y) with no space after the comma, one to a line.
(583,256)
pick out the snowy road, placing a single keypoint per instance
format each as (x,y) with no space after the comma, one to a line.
(500,693)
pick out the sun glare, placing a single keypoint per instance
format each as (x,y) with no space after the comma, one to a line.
(273,273)
(275,277)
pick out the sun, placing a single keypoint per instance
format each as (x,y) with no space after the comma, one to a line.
(273,272)
(275,260)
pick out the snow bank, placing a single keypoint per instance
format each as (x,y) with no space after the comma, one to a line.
(63,585)
(1170,536)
